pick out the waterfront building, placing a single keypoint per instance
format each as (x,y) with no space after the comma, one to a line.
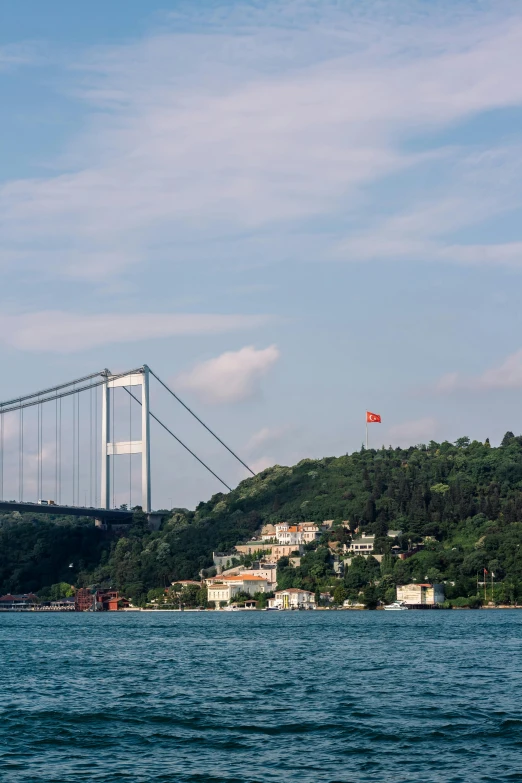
(102,600)
(225,588)
(417,594)
(292,598)
(18,603)
(62,605)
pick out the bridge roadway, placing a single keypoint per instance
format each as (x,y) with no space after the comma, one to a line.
(108,515)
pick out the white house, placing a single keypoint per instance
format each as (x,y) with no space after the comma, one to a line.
(295,535)
(310,531)
(421,594)
(292,598)
(363,545)
(224,588)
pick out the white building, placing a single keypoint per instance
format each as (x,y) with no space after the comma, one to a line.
(225,588)
(363,545)
(421,594)
(310,531)
(293,598)
(296,535)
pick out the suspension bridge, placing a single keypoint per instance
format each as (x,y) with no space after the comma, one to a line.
(59,443)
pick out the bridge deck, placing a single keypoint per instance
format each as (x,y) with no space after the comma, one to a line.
(109,515)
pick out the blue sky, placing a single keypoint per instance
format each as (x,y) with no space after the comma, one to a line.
(292,211)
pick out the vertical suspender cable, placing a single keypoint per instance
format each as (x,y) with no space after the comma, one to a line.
(90,446)
(78,447)
(41,449)
(74,452)
(1,456)
(130,452)
(38,453)
(56,450)
(96,447)
(113,460)
(60,451)
(22,454)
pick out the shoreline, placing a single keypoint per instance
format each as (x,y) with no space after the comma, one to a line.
(135,610)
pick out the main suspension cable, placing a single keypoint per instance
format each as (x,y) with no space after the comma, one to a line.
(201,422)
(57,388)
(180,442)
(22,404)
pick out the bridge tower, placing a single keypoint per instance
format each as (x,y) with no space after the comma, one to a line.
(111,449)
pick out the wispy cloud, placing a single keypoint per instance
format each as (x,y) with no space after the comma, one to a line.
(483,186)
(16,55)
(232,377)
(413,431)
(64,332)
(253,134)
(507,375)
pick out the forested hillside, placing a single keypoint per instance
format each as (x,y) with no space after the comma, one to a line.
(466,495)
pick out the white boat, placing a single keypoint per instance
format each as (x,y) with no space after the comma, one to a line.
(396,606)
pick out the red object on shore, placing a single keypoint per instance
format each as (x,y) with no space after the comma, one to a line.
(373,418)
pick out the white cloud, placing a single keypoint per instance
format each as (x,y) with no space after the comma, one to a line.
(262,463)
(483,186)
(231,377)
(64,332)
(414,431)
(265,435)
(507,375)
(205,135)
(15,55)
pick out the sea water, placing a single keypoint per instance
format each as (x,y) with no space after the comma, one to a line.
(252,697)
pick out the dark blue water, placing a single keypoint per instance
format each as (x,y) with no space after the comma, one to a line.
(234,698)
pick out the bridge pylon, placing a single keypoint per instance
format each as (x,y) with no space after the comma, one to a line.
(110,449)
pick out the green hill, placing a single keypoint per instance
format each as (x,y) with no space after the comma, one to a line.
(467,496)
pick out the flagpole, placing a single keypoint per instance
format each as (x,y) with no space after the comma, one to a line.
(366,430)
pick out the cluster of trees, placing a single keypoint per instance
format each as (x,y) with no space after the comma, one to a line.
(466,496)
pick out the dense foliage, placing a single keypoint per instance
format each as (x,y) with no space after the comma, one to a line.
(467,497)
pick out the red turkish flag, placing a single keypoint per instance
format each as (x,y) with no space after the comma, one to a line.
(372,418)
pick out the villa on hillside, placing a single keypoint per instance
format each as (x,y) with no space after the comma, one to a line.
(303,533)
(362,545)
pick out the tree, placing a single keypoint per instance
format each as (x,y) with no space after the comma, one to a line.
(340,595)
(370,597)
(508,437)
